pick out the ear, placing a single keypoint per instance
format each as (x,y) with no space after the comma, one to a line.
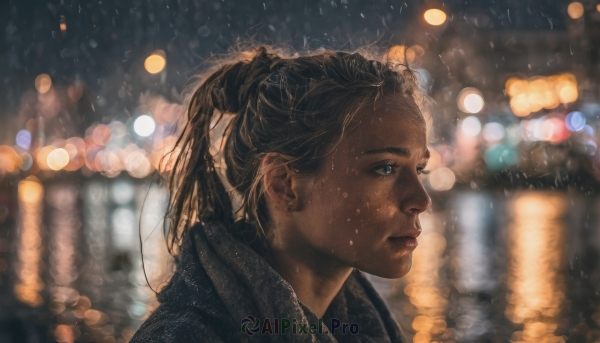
(278,181)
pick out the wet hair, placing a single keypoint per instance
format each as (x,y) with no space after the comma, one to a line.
(298,107)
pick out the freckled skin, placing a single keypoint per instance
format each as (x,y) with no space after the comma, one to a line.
(343,216)
(349,202)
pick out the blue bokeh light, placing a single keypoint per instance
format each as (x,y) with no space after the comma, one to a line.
(23,139)
(575,121)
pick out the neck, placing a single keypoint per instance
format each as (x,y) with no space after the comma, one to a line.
(315,277)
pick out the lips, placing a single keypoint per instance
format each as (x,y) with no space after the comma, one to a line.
(411,233)
(406,239)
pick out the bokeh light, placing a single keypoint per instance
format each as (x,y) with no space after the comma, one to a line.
(471,126)
(500,156)
(144,125)
(473,103)
(155,63)
(137,164)
(442,179)
(537,93)
(575,121)
(101,135)
(23,139)
(434,17)
(42,157)
(9,160)
(493,132)
(57,159)
(26,161)
(43,83)
(470,100)
(575,10)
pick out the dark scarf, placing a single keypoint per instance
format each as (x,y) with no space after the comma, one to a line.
(220,280)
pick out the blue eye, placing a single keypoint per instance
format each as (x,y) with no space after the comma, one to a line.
(385,170)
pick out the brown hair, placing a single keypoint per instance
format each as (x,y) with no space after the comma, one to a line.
(297,107)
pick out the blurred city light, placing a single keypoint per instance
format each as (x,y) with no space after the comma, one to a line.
(155,63)
(423,284)
(434,17)
(471,126)
(43,83)
(575,121)
(144,125)
(535,94)
(442,179)
(493,132)
(57,159)
(63,25)
(23,139)
(469,100)
(101,135)
(26,161)
(500,156)
(575,10)
(397,54)
(536,250)
(9,160)
(29,250)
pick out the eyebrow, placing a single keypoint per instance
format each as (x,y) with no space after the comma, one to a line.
(400,151)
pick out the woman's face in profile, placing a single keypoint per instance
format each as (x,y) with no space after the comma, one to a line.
(362,207)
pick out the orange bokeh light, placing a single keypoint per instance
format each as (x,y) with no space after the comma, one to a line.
(434,17)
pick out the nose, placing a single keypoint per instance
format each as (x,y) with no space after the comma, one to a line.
(415,198)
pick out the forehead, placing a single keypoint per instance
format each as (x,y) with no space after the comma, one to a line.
(391,122)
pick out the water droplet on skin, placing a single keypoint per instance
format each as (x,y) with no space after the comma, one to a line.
(345,195)
(357,210)
(351,243)
(367,204)
(348,220)
(356,230)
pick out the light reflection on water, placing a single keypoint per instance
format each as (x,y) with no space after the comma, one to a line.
(536,286)
(29,285)
(488,268)
(472,265)
(425,286)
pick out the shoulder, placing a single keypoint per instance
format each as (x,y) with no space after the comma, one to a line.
(170,324)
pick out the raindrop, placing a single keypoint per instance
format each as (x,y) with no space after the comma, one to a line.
(204,31)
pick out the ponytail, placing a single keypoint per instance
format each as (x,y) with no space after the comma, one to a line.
(196,193)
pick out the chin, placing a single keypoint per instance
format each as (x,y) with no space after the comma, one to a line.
(391,270)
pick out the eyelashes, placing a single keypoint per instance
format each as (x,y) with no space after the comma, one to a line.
(390,169)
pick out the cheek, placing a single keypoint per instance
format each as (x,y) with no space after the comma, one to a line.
(347,217)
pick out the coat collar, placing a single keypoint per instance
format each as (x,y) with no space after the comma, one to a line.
(227,280)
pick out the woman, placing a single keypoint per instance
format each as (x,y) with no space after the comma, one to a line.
(324,154)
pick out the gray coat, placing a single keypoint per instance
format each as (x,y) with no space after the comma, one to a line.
(221,280)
